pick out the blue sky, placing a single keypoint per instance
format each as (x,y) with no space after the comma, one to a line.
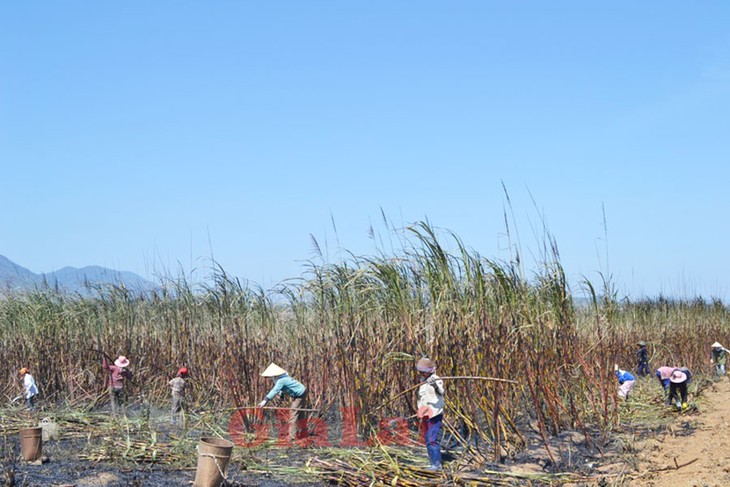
(148,135)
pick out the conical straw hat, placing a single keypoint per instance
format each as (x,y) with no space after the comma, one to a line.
(717,345)
(273,370)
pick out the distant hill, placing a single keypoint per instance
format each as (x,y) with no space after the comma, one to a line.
(14,277)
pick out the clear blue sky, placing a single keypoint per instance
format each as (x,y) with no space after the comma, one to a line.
(139,135)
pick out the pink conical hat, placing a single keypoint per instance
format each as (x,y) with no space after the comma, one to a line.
(678,377)
(122,362)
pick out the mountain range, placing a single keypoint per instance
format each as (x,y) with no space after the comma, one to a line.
(14,277)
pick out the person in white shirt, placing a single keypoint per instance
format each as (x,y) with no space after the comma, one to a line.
(31,389)
(430,409)
(719,357)
(178,394)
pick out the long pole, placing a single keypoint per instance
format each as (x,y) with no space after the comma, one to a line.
(265,407)
(285,408)
(454,377)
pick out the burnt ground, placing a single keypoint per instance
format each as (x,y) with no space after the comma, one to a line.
(79,474)
(66,467)
(92,459)
(71,462)
(93,449)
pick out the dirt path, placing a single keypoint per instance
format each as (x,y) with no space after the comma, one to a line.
(702,438)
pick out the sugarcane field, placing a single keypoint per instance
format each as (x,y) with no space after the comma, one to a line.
(431,366)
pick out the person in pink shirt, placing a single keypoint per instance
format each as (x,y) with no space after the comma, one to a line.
(118,374)
(663,374)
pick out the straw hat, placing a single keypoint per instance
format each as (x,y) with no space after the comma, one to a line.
(426,365)
(717,345)
(273,370)
(23,371)
(122,362)
(642,343)
(678,377)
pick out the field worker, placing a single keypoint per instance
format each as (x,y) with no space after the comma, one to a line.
(678,382)
(285,385)
(718,358)
(625,380)
(118,374)
(430,409)
(662,374)
(31,389)
(178,394)
(642,358)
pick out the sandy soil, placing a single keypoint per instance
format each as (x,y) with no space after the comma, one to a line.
(697,442)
